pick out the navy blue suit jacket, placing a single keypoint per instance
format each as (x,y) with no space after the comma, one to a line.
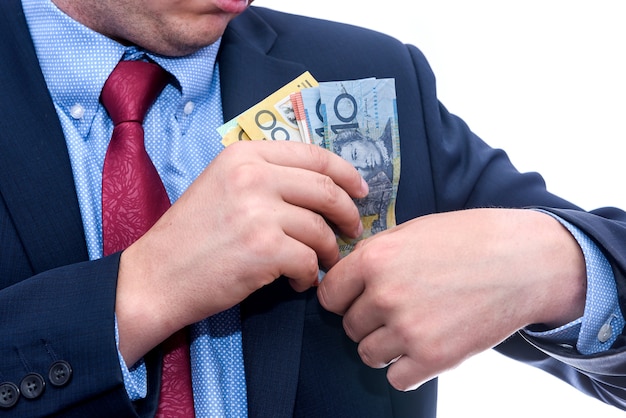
(55,305)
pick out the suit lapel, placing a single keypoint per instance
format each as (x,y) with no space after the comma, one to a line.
(272,318)
(247,73)
(36,180)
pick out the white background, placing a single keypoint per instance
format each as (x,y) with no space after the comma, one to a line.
(546,81)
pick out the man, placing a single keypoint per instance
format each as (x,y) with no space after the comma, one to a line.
(421,297)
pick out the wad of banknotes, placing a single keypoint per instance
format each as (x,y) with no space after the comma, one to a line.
(355,119)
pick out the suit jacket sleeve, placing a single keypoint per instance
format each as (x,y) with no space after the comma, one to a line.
(65,315)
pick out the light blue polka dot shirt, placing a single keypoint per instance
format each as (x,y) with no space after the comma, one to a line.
(181,139)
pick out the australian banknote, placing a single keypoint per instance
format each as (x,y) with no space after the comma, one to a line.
(271,119)
(274,118)
(361,126)
(356,119)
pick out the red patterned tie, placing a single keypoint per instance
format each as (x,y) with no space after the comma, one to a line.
(133,199)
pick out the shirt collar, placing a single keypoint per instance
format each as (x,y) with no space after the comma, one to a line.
(76,60)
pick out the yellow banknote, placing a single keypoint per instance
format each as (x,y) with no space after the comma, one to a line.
(274,117)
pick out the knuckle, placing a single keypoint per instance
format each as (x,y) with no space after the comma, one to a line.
(349,329)
(372,256)
(238,147)
(396,380)
(319,158)
(246,176)
(384,302)
(365,352)
(325,298)
(253,221)
(304,275)
(261,240)
(439,357)
(410,334)
(261,244)
(320,228)
(330,190)
(310,265)
(319,225)
(376,256)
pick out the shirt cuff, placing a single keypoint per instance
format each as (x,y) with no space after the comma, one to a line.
(135,377)
(602,321)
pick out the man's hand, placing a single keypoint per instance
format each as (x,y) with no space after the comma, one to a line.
(258,211)
(430,293)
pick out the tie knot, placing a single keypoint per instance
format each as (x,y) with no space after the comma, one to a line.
(131,89)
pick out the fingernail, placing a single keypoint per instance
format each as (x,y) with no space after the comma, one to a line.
(365,188)
(359,230)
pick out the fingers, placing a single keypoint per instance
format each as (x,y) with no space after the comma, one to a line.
(407,374)
(304,176)
(368,312)
(318,187)
(410,363)
(380,348)
(384,343)
(346,280)
(342,284)
(320,194)
(312,230)
(312,158)
(303,274)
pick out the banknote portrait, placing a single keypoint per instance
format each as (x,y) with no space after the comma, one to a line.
(372,159)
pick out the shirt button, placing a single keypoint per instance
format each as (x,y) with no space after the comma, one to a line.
(605,332)
(188,108)
(77,111)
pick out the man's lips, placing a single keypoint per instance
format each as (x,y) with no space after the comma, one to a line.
(233,6)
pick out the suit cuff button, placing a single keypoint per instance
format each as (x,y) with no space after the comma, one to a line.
(9,394)
(60,373)
(32,386)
